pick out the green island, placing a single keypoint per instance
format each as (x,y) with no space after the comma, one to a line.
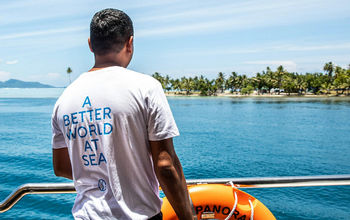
(335,81)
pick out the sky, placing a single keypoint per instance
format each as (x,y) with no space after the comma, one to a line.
(40,39)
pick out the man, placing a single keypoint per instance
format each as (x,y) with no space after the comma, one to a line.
(112,133)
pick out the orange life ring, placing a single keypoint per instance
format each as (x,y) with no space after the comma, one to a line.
(216,201)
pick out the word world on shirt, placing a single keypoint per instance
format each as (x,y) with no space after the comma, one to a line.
(85,123)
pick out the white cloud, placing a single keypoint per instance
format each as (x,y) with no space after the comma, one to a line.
(272,62)
(289,65)
(21,12)
(4,75)
(10,62)
(251,49)
(320,47)
(219,10)
(44,32)
(311,47)
(187,28)
(236,16)
(146,4)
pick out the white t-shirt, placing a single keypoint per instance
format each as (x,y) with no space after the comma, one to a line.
(106,118)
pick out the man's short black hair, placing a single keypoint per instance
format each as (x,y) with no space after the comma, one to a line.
(109,31)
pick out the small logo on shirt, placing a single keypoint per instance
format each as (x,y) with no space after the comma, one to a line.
(102,184)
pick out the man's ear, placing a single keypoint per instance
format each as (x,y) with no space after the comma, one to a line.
(130,45)
(89,42)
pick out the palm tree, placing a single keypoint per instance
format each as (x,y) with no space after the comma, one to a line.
(187,84)
(338,70)
(334,77)
(314,81)
(196,84)
(69,71)
(166,83)
(212,86)
(301,83)
(341,79)
(328,67)
(279,75)
(244,80)
(288,83)
(176,85)
(239,82)
(160,78)
(348,80)
(269,79)
(203,86)
(231,81)
(259,82)
(220,81)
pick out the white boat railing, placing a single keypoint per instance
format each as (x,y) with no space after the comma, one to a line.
(258,182)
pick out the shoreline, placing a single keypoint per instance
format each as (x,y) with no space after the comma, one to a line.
(282,95)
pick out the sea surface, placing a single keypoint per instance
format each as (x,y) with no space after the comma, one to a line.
(220,138)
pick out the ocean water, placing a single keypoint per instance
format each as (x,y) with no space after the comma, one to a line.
(220,138)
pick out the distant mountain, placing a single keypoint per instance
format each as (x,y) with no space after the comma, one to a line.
(15,83)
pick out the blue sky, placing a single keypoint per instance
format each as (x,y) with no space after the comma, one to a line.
(39,39)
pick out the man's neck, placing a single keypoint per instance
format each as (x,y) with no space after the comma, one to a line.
(105,64)
(101,66)
(111,59)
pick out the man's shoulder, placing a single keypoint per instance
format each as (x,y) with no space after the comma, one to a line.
(129,79)
(142,76)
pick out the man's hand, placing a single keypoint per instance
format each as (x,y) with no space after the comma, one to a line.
(61,163)
(171,178)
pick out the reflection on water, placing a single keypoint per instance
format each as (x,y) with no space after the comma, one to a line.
(280,103)
(284,100)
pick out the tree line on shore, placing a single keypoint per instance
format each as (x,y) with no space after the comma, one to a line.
(334,78)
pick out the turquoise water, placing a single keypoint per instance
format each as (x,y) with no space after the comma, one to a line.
(220,137)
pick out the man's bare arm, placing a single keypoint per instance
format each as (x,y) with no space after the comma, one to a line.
(171,178)
(61,163)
